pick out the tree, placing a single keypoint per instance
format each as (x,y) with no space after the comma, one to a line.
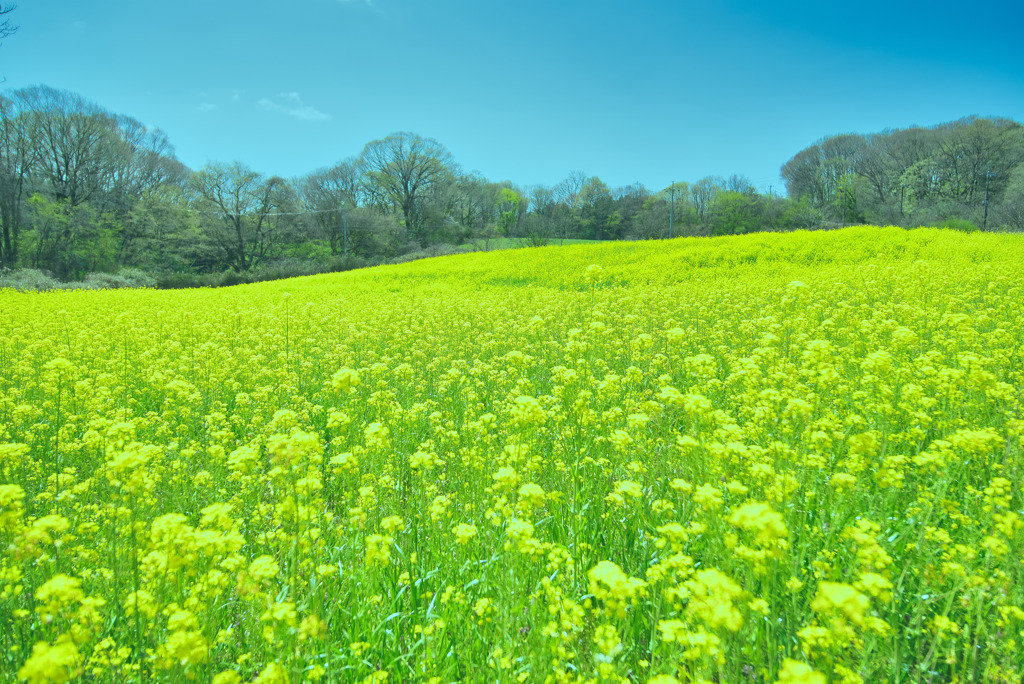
(736,213)
(250,210)
(73,143)
(567,194)
(819,171)
(598,217)
(629,202)
(70,240)
(799,215)
(159,233)
(538,225)
(702,195)
(912,176)
(510,205)
(542,200)
(651,222)
(330,194)
(142,160)
(470,203)
(15,161)
(373,235)
(740,183)
(1010,214)
(879,174)
(72,152)
(400,170)
(6,27)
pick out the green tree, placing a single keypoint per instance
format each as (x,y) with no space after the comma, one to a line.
(651,222)
(735,213)
(844,206)
(799,215)
(509,210)
(598,218)
(160,234)
(68,239)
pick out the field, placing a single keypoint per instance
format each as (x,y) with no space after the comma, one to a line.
(770,458)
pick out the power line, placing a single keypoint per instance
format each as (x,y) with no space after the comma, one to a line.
(279,213)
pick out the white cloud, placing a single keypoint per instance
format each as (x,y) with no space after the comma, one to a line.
(206,107)
(292,105)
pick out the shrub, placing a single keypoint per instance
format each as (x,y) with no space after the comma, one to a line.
(962,225)
(128,277)
(26,279)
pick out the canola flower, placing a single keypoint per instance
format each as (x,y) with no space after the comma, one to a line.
(779,458)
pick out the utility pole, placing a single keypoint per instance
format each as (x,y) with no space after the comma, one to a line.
(344,227)
(671,209)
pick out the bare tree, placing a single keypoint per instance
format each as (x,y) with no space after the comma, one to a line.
(249,207)
(72,140)
(702,195)
(568,194)
(472,203)
(6,27)
(568,190)
(740,183)
(400,170)
(330,193)
(542,200)
(143,160)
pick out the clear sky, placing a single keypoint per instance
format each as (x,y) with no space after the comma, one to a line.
(530,90)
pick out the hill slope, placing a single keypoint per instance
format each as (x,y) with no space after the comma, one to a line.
(744,459)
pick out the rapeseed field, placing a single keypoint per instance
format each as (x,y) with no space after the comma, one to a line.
(772,458)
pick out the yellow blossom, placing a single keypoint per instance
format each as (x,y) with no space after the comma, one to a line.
(378,550)
(54,664)
(842,599)
(795,672)
(617,590)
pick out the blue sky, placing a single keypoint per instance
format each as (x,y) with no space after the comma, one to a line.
(529,90)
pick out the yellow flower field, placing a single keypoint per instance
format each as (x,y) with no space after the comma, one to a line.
(770,458)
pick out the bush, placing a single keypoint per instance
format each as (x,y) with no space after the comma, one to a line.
(294,268)
(275,270)
(128,277)
(28,279)
(229,278)
(432,251)
(962,225)
(31,279)
(136,277)
(180,281)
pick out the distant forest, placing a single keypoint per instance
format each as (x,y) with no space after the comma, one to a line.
(85,191)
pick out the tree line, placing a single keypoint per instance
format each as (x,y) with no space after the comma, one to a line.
(971,171)
(83,190)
